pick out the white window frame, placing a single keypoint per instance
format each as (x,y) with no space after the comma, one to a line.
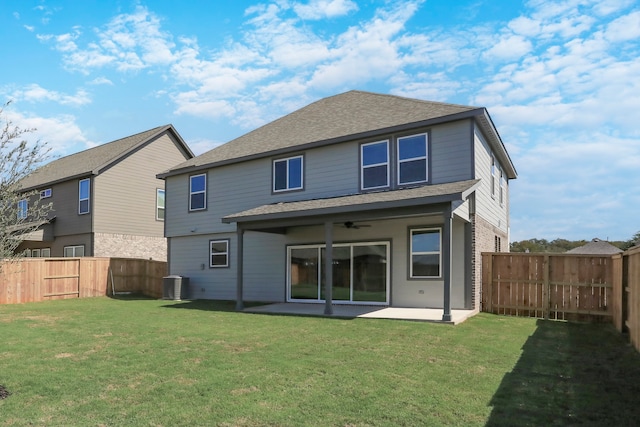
(502,187)
(23,209)
(73,248)
(412,252)
(288,162)
(193,193)
(425,157)
(363,167)
(82,199)
(46,193)
(493,176)
(225,253)
(46,252)
(158,207)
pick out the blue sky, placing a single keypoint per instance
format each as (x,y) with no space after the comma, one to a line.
(561,80)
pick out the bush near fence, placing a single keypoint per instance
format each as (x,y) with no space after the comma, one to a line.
(44,279)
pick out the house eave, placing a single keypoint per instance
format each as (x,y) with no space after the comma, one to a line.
(325,142)
(347,208)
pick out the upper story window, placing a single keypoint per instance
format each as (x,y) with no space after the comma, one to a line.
(374,170)
(412,159)
(503,184)
(160,204)
(84,192)
(45,194)
(288,174)
(494,173)
(197,192)
(23,209)
(425,253)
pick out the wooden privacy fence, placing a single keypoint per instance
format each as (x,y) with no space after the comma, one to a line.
(42,279)
(627,287)
(549,286)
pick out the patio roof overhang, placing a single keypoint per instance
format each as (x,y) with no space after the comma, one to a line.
(356,207)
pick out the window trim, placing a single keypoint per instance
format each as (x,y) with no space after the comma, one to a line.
(45,252)
(46,193)
(74,247)
(287,160)
(211,243)
(502,188)
(87,199)
(192,193)
(23,209)
(426,158)
(493,176)
(363,167)
(158,207)
(410,274)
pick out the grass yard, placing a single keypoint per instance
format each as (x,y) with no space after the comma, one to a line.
(143,362)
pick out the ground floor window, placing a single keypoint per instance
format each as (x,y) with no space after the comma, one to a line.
(425,253)
(218,253)
(74,251)
(360,273)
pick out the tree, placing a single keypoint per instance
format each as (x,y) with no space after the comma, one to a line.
(21,212)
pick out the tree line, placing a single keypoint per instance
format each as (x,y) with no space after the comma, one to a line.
(563,245)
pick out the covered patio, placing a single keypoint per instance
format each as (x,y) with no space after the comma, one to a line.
(359,311)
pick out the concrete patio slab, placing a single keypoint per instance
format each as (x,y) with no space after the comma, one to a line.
(360,311)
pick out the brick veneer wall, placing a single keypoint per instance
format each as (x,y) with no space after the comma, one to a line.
(130,246)
(483,240)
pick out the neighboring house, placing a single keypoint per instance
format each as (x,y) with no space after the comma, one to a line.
(392,199)
(107,201)
(596,247)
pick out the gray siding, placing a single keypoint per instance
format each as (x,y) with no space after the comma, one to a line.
(125,194)
(487,206)
(329,171)
(64,197)
(264,266)
(57,246)
(451,152)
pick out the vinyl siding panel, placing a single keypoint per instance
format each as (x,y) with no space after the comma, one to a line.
(329,171)
(264,266)
(64,197)
(451,152)
(125,194)
(488,206)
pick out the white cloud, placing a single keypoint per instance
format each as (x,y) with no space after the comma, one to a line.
(319,9)
(101,81)
(508,47)
(36,93)
(625,28)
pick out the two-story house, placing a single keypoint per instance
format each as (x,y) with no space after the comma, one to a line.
(358,198)
(107,200)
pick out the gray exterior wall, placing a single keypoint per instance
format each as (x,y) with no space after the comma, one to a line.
(328,171)
(64,197)
(57,246)
(125,194)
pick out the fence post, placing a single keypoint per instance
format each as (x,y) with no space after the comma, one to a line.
(546,287)
(490,282)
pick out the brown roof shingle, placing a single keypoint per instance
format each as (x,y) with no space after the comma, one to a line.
(345,115)
(91,161)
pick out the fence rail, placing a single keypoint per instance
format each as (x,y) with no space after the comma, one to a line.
(549,286)
(43,279)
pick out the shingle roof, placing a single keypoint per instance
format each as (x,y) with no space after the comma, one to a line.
(93,160)
(367,201)
(347,115)
(596,247)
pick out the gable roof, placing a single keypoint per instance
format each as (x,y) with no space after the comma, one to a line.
(96,159)
(338,118)
(596,247)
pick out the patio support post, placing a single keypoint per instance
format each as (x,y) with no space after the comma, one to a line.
(446,261)
(328,267)
(239,272)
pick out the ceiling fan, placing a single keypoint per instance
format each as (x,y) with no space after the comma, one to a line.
(354,226)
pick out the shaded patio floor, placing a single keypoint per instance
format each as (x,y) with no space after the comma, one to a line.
(360,311)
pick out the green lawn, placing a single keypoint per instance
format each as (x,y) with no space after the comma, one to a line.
(142,362)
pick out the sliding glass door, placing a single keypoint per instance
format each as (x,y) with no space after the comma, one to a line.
(360,273)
